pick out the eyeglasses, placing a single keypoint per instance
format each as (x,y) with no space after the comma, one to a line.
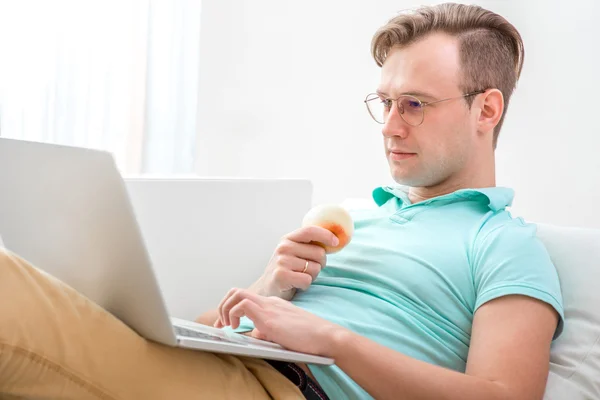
(410,108)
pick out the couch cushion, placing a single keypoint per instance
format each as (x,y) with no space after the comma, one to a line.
(575,357)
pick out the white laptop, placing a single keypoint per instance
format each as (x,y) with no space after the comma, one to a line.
(67,211)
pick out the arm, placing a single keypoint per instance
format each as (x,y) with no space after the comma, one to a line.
(508,355)
(508,358)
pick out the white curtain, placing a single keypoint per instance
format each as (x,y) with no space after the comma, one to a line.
(118,75)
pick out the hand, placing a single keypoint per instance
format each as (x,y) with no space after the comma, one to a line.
(284,273)
(281,322)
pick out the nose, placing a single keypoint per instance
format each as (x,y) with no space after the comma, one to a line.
(395,125)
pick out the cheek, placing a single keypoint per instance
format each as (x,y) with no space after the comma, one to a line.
(447,131)
(436,151)
(433,139)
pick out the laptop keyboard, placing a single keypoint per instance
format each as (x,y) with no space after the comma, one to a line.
(181,331)
(223,337)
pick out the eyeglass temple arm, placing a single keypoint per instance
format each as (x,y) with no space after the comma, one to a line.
(425,103)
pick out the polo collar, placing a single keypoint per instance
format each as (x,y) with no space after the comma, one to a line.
(496,198)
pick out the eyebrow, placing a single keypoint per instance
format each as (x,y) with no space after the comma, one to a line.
(415,93)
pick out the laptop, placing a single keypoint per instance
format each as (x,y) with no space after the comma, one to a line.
(67,211)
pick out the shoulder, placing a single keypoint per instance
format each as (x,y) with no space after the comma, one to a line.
(503,241)
(502,229)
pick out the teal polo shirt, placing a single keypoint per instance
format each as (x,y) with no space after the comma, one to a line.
(413,276)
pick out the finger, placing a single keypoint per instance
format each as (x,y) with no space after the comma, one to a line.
(247,308)
(287,279)
(238,296)
(296,265)
(229,303)
(257,298)
(312,252)
(313,233)
(222,303)
(218,323)
(312,268)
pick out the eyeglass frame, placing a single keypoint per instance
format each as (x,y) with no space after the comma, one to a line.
(422,104)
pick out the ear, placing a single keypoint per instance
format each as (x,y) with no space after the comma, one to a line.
(491,104)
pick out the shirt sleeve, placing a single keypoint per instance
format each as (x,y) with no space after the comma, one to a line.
(509,259)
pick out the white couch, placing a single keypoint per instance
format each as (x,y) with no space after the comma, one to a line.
(575,357)
(575,360)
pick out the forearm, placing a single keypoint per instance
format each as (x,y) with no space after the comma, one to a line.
(388,374)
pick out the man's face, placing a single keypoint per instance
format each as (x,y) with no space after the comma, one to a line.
(439,148)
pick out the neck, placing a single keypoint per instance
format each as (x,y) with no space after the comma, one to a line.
(481,175)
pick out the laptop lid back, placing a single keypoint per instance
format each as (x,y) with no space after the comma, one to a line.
(67,211)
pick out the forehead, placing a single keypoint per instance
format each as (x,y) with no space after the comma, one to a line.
(430,65)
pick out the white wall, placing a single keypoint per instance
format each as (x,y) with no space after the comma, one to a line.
(549,150)
(282,85)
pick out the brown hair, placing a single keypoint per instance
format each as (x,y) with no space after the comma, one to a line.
(491,49)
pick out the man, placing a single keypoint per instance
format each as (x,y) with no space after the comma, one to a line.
(441,294)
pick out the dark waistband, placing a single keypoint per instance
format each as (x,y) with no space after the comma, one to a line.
(309,388)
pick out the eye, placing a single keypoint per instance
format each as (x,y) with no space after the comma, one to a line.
(414,104)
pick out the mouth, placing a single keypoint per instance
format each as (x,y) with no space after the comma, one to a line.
(400,155)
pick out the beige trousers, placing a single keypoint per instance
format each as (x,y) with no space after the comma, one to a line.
(57,344)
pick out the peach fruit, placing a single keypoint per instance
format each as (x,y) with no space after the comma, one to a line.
(334,218)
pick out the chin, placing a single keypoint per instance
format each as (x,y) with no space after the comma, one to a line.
(408,182)
(413,179)
(405,180)
(403,176)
